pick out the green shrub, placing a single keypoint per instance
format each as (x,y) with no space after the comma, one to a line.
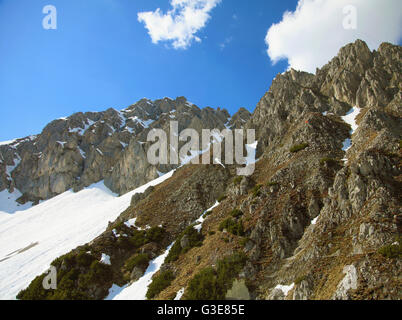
(221,198)
(159,283)
(138,238)
(204,286)
(272,184)
(237,180)
(256,191)
(84,259)
(195,240)
(121,228)
(236,213)
(392,251)
(79,274)
(155,234)
(98,273)
(208,213)
(139,260)
(174,252)
(299,280)
(328,161)
(141,237)
(210,284)
(244,241)
(232,226)
(299,147)
(35,290)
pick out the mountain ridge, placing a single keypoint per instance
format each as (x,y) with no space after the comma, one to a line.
(320,218)
(85,148)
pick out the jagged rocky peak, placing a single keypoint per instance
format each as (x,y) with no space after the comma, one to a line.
(355,77)
(320,218)
(240,118)
(84,148)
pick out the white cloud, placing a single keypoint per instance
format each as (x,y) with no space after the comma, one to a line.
(313,34)
(180,24)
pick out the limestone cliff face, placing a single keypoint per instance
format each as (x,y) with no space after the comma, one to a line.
(85,148)
(321,215)
(332,210)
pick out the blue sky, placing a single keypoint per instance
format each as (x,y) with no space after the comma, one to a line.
(101,56)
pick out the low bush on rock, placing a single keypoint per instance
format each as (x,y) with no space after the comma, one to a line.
(232,226)
(159,283)
(392,251)
(79,277)
(212,284)
(139,260)
(193,239)
(299,147)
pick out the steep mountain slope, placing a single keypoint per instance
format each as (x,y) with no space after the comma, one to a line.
(320,218)
(32,239)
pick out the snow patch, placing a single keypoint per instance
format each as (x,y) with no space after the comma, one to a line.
(138,290)
(315,220)
(58,225)
(350,118)
(9,204)
(4,143)
(105,259)
(179,294)
(81,131)
(62,143)
(201,219)
(130,223)
(285,289)
(83,154)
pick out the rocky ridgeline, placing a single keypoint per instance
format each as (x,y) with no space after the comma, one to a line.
(328,209)
(86,148)
(320,218)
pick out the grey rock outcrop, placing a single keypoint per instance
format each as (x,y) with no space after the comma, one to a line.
(86,148)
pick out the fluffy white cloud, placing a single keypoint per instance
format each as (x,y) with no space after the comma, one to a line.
(180,24)
(313,34)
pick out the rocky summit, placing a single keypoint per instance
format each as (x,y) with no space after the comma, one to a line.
(319,219)
(86,148)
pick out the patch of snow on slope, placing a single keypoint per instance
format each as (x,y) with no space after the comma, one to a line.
(9,204)
(201,219)
(350,118)
(81,131)
(10,169)
(179,294)
(130,223)
(83,155)
(285,289)
(105,259)
(57,226)
(4,143)
(138,290)
(144,123)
